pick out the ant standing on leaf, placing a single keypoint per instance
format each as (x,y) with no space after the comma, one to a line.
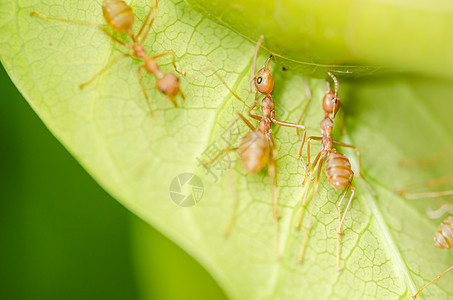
(257,148)
(337,166)
(120,18)
(443,240)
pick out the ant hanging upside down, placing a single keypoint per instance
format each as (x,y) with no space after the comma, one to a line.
(337,166)
(257,148)
(120,18)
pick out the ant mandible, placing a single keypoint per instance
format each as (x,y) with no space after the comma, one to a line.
(120,18)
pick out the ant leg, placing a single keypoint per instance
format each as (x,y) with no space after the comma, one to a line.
(429,184)
(182,95)
(272,170)
(172,99)
(246,121)
(316,138)
(307,228)
(258,44)
(256,117)
(412,196)
(426,161)
(274,162)
(342,123)
(341,219)
(435,279)
(233,188)
(142,84)
(111,63)
(435,214)
(340,222)
(149,25)
(299,221)
(251,108)
(360,164)
(83,23)
(173,60)
(226,85)
(299,155)
(308,94)
(226,149)
(234,204)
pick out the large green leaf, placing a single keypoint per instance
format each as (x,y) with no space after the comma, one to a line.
(354,37)
(387,249)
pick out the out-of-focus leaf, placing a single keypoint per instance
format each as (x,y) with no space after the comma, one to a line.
(352,37)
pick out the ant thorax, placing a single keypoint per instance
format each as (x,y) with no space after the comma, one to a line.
(139,51)
(152,67)
(326,127)
(267,107)
(265,127)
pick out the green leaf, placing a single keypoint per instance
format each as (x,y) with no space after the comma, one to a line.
(386,250)
(351,37)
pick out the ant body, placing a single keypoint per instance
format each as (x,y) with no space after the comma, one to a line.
(443,240)
(120,18)
(337,166)
(257,148)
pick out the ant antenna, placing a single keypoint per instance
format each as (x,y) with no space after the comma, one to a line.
(335,81)
(267,62)
(258,45)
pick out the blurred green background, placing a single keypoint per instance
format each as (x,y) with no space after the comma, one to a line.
(63,237)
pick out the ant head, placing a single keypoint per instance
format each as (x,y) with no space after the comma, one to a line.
(168,85)
(331,102)
(264,81)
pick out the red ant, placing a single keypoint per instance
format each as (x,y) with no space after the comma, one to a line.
(337,166)
(120,18)
(443,240)
(257,148)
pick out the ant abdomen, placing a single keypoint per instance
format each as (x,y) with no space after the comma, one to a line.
(118,15)
(338,169)
(254,151)
(444,234)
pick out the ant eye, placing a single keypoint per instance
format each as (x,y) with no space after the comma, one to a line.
(163,91)
(259,80)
